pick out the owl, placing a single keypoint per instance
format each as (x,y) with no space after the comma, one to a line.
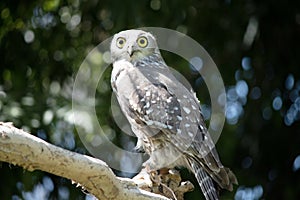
(164,115)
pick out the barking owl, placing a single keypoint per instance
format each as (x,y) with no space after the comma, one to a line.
(164,115)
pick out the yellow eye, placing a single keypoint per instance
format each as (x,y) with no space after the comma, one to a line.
(121,42)
(142,41)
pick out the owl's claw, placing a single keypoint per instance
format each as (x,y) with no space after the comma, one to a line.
(164,181)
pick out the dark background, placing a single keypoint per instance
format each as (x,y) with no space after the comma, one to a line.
(255,44)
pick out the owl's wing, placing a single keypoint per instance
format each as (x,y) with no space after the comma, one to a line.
(174,115)
(165,104)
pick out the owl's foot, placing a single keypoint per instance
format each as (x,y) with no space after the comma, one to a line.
(166,182)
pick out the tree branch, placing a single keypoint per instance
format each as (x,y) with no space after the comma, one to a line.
(32,153)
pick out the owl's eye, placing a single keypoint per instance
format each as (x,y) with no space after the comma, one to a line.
(121,42)
(142,41)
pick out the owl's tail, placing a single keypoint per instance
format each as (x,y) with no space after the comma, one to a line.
(205,181)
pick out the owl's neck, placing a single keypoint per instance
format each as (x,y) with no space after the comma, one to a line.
(153,60)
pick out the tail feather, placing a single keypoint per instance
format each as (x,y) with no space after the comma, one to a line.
(205,181)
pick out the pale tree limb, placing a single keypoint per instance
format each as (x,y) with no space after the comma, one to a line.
(23,149)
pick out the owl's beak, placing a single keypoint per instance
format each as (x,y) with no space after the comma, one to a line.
(130,50)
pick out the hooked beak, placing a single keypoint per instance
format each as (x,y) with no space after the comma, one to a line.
(131,50)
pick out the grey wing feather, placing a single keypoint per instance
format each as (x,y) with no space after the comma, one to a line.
(156,107)
(161,109)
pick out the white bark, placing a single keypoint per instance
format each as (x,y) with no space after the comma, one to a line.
(23,149)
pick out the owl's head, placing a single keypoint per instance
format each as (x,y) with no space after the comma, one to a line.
(132,45)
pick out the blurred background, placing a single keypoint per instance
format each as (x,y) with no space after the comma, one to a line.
(255,44)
